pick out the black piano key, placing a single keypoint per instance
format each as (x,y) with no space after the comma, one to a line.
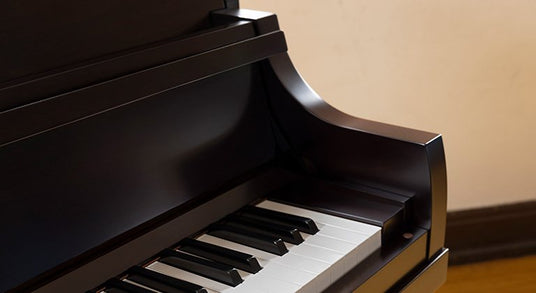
(285,232)
(162,282)
(301,223)
(227,256)
(124,286)
(270,244)
(217,271)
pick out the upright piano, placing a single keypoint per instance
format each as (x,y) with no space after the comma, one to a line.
(171,146)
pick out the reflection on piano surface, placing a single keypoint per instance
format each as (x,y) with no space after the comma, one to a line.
(172,147)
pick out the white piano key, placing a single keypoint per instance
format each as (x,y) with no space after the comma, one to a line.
(349,250)
(246,289)
(303,263)
(349,258)
(321,218)
(330,243)
(369,246)
(338,263)
(265,284)
(320,269)
(277,271)
(342,234)
(318,253)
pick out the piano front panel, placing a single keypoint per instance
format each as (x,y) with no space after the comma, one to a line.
(76,76)
(153,155)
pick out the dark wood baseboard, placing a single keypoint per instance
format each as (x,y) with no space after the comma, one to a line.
(490,233)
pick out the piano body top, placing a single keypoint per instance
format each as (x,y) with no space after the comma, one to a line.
(125,127)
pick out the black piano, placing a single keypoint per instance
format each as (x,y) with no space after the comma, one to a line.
(171,146)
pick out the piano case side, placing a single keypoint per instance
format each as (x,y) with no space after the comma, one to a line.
(332,145)
(340,147)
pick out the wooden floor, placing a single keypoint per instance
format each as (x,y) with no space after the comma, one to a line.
(505,275)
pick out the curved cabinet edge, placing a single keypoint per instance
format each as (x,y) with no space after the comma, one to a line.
(407,161)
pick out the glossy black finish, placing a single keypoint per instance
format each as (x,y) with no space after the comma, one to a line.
(428,278)
(198,112)
(387,157)
(64,198)
(162,282)
(227,256)
(49,114)
(40,36)
(213,270)
(140,245)
(286,232)
(79,76)
(265,22)
(232,4)
(303,224)
(272,244)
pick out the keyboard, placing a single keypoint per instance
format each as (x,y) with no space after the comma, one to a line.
(268,247)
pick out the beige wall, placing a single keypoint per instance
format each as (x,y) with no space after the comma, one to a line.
(463,68)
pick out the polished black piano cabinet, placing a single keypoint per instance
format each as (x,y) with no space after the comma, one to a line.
(126,127)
